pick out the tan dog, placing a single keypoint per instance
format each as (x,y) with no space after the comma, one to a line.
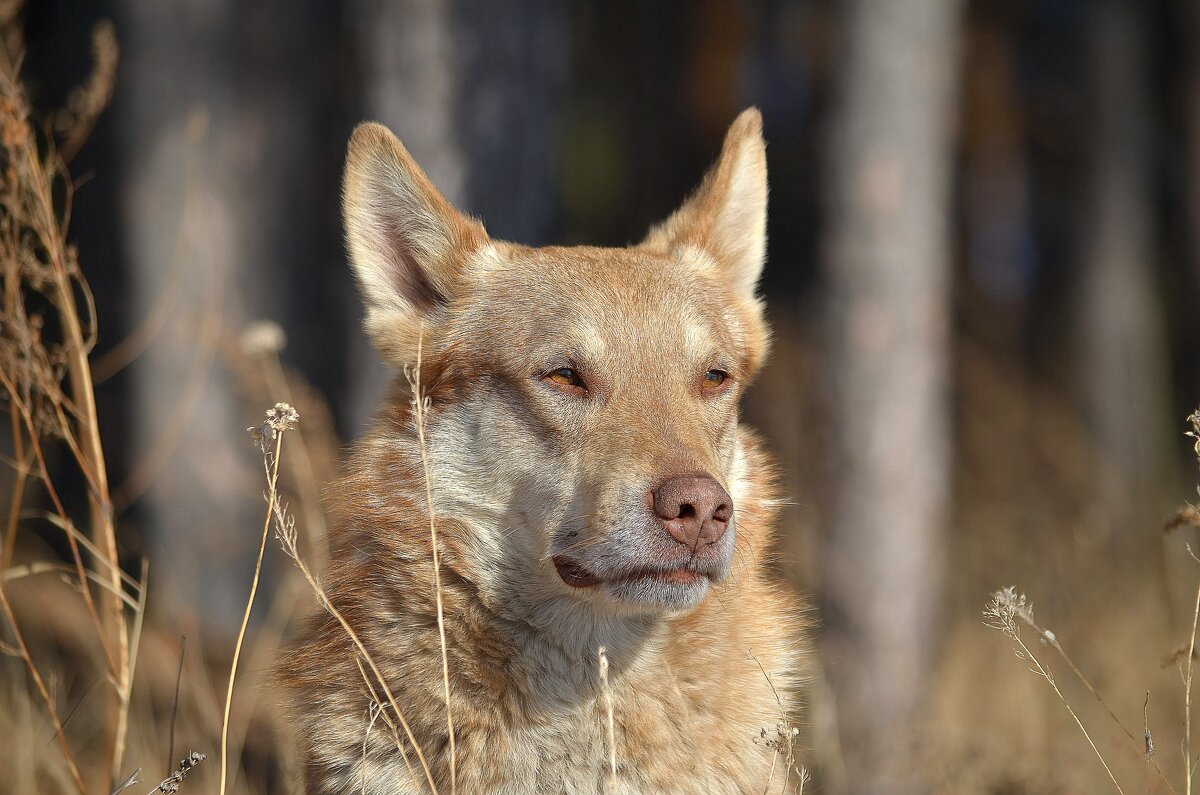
(592,488)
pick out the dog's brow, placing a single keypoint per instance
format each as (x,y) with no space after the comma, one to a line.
(588,342)
(697,341)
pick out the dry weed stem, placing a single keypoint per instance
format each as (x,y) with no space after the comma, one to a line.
(1002,613)
(285,532)
(420,408)
(280,419)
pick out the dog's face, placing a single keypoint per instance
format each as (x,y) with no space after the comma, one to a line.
(583,415)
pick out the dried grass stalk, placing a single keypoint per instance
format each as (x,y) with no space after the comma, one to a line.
(1003,613)
(47,331)
(420,407)
(285,531)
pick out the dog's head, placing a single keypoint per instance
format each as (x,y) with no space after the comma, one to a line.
(583,416)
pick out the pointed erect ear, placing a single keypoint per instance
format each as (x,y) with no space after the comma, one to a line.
(407,242)
(727,215)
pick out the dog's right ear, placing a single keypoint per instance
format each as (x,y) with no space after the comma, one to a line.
(407,242)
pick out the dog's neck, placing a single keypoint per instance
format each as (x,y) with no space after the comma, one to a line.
(556,647)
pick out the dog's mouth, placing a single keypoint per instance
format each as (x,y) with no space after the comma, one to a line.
(576,576)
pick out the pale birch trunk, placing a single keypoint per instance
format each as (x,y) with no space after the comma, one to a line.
(887,260)
(214,119)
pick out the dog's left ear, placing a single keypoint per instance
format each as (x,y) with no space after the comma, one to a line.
(727,215)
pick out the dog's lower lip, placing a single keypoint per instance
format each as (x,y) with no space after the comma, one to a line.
(577,576)
(573,574)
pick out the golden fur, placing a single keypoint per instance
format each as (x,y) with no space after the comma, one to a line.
(527,470)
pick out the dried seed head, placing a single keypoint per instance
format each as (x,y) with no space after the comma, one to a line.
(279,419)
(283,417)
(171,784)
(1005,608)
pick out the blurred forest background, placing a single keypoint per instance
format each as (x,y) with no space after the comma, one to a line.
(984,278)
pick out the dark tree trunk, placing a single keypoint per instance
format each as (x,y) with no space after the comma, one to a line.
(1122,367)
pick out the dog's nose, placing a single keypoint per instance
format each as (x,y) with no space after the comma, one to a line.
(694,510)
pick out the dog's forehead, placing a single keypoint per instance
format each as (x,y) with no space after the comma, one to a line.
(598,299)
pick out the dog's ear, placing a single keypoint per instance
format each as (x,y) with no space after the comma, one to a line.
(407,243)
(727,215)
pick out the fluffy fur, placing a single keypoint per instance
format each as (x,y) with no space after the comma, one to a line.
(528,469)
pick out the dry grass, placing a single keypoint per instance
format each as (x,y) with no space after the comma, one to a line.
(609,723)
(48,334)
(172,782)
(48,324)
(781,739)
(1008,611)
(78,629)
(285,532)
(279,419)
(420,409)
(1003,613)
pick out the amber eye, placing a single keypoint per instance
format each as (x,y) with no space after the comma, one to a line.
(714,378)
(565,376)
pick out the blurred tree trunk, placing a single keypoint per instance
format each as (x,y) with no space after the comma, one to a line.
(410,74)
(1189,11)
(1122,354)
(215,122)
(887,259)
(473,89)
(516,55)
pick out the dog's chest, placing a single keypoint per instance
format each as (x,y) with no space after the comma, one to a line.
(664,742)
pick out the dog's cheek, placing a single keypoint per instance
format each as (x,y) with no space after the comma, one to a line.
(495,463)
(728,448)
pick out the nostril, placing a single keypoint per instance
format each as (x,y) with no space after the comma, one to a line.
(694,510)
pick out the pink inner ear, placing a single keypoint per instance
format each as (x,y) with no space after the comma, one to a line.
(406,275)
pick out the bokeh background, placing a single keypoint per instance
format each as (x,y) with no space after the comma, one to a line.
(984,278)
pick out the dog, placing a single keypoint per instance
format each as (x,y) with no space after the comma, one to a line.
(592,494)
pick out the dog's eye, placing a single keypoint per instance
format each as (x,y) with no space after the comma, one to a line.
(714,378)
(567,379)
(565,376)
